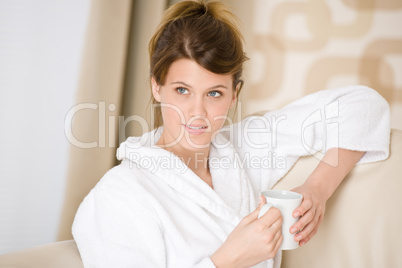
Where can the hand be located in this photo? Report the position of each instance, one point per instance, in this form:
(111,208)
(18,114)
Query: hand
(318,188)
(311,210)
(252,241)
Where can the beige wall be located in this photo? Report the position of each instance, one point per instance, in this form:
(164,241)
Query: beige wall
(300,46)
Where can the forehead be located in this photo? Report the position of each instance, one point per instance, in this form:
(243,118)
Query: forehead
(190,72)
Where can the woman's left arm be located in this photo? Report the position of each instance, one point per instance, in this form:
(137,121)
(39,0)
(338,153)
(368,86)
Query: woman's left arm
(318,188)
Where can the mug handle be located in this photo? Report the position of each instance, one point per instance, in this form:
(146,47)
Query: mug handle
(264,209)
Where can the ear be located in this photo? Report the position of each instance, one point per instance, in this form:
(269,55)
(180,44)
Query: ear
(234,98)
(156,89)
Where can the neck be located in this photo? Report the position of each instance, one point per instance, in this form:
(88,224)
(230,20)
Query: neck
(196,160)
(198,163)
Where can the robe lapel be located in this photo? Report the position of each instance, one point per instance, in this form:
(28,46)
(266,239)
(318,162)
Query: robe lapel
(230,198)
(229,179)
(186,183)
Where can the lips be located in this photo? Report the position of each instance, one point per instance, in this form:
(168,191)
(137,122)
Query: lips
(195,129)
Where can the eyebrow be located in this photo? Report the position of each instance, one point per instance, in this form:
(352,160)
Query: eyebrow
(186,85)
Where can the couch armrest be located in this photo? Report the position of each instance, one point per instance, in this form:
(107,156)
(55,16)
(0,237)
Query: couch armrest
(62,254)
(361,226)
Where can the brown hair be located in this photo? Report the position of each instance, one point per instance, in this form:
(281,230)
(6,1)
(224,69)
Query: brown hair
(203,31)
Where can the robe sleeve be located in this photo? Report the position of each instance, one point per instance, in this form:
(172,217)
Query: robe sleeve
(113,229)
(353,117)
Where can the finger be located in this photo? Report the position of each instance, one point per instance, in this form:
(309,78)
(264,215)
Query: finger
(277,225)
(277,236)
(307,230)
(263,201)
(274,244)
(278,243)
(308,238)
(302,222)
(271,216)
(312,233)
(303,208)
(251,217)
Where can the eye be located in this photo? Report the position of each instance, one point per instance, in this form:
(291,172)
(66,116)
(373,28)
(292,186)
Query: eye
(182,90)
(214,94)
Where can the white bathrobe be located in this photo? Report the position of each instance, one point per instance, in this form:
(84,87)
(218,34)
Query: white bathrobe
(153,211)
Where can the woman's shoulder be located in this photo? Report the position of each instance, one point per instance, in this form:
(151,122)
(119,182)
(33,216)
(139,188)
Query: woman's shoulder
(122,181)
(119,194)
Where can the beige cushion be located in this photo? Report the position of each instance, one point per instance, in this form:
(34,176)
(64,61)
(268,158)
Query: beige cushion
(361,227)
(55,255)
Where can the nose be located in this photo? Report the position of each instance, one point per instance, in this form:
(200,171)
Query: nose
(197,107)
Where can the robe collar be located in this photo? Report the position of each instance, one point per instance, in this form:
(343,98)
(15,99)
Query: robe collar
(230,199)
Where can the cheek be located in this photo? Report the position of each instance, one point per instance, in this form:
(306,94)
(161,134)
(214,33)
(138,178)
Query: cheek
(172,105)
(172,113)
(218,115)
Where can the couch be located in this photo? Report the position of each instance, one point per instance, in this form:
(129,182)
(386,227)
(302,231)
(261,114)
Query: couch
(360,227)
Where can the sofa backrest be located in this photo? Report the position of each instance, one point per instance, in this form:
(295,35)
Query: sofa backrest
(362,219)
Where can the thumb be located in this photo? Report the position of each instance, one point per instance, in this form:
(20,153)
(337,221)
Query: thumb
(263,201)
(254,215)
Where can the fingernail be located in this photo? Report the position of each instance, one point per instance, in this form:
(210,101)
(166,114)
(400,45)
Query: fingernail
(261,201)
(293,230)
(296,214)
(302,243)
(299,237)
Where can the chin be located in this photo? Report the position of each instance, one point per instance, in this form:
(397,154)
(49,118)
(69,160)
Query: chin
(197,144)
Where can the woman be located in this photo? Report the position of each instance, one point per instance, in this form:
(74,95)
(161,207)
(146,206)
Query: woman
(186,194)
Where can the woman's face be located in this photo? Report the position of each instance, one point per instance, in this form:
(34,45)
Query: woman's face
(194,104)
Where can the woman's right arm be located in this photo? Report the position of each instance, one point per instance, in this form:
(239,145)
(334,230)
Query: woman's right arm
(113,229)
(252,241)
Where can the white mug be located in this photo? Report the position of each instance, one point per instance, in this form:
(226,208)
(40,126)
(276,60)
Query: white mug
(286,202)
